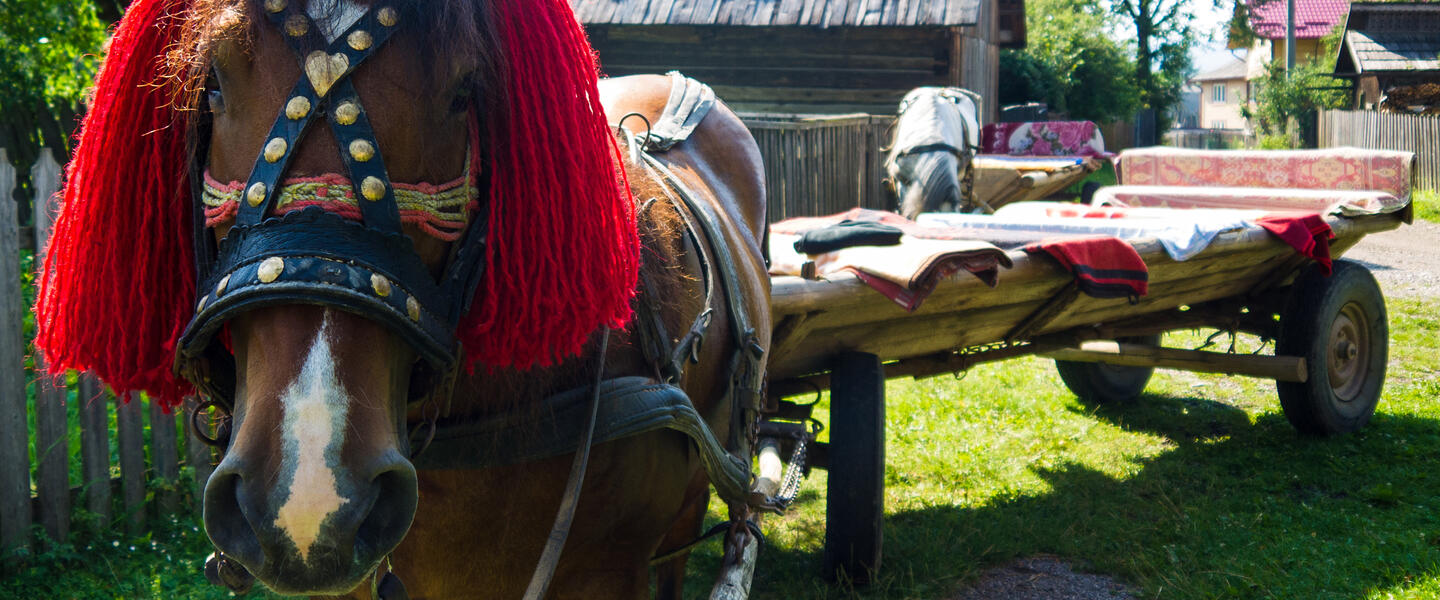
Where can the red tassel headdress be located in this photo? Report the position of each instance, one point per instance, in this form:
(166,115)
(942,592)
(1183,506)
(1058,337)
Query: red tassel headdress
(118,284)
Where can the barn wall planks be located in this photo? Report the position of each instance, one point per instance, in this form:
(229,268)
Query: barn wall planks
(1371,129)
(805,70)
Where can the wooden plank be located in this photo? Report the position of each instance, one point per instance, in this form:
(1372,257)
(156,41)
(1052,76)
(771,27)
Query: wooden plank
(95,448)
(198,455)
(164,455)
(132,460)
(52,442)
(14,432)
(1279,368)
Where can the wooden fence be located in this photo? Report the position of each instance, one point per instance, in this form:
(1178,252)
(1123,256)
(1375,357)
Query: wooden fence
(821,164)
(48,497)
(1371,129)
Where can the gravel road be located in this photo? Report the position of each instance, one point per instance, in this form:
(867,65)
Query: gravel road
(1405,261)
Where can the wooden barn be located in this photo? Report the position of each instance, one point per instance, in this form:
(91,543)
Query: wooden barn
(810,56)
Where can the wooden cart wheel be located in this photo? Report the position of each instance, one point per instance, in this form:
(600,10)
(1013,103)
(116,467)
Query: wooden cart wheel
(855,496)
(1101,383)
(1338,325)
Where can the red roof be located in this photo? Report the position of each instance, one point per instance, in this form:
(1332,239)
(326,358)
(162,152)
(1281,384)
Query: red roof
(1313,18)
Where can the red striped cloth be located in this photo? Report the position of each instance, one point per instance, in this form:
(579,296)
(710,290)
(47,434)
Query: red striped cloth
(1104,266)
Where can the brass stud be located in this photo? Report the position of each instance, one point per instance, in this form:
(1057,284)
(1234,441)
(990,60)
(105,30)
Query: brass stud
(413,307)
(297,108)
(362,150)
(275,6)
(297,25)
(347,113)
(388,16)
(372,188)
(380,284)
(201,306)
(220,287)
(256,194)
(360,40)
(275,149)
(270,269)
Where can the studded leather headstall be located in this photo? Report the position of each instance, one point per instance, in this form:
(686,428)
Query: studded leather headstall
(313,256)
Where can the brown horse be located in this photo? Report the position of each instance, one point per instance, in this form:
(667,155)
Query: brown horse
(316,490)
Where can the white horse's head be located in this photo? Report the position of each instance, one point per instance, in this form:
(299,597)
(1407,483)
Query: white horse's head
(937,132)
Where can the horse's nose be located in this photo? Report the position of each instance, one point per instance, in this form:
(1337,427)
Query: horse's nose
(313,535)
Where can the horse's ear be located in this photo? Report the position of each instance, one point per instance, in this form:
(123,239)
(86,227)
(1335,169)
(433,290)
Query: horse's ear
(118,280)
(563,251)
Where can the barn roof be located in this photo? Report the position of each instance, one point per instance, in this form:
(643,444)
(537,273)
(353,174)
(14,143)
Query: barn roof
(1390,37)
(815,13)
(1313,18)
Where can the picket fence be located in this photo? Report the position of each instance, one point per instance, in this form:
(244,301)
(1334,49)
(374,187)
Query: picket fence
(48,497)
(1391,131)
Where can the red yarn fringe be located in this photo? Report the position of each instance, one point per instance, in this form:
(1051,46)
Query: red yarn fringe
(563,250)
(118,280)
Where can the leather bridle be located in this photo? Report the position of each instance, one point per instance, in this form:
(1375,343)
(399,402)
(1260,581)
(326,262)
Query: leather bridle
(313,256)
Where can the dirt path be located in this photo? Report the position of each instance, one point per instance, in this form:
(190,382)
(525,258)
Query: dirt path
(1405,261)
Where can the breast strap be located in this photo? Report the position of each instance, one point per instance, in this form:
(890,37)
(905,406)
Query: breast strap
(629,406)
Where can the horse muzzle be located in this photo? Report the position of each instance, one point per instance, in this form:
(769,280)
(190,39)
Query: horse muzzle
(315,536)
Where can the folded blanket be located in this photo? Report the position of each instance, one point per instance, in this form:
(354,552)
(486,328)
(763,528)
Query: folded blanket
(1104,267)
(906,273)
(1183,235)
(1326,201)
(846,234)
(1308,234)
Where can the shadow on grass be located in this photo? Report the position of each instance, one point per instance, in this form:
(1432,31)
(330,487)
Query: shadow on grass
(1235,509)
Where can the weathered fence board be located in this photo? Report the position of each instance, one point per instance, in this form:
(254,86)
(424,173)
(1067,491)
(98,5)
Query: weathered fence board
(1372,129)
(132,460)
(52,443)
(14,454)
(164,455)
(821,164)
(95,448)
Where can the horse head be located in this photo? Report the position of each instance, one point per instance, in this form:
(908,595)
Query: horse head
(936,134)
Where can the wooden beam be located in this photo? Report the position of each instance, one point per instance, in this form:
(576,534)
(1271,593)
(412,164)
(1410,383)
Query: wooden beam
(1279,368)
(14,439)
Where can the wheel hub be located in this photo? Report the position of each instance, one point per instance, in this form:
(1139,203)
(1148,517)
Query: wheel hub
(1348,360)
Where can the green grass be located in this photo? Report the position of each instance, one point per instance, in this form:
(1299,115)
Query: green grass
(1199,490)
(1427,205)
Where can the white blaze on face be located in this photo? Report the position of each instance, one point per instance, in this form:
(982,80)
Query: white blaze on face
(313,432)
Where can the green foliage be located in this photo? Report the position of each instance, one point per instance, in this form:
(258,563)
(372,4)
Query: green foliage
(50,51)
(1427,205)
(1164,35)
(1070,64)
(1299,95)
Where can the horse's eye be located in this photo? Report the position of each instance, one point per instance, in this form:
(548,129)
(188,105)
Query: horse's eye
(461,101)
(217,101)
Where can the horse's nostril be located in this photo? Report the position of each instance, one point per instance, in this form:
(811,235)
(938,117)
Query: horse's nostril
(226,523)
(389,518)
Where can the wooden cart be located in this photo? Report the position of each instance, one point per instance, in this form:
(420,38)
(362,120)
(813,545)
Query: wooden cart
(838,334)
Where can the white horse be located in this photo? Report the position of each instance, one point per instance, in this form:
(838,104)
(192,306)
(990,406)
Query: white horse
(937,133)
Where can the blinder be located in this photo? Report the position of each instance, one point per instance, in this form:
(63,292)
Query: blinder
(313,256)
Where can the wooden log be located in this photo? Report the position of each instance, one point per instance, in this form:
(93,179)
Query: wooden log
(736,573)
(14,432)
(95,448)
(52,442)
(164,455)
(1279,368)
(132,460)
(772,468)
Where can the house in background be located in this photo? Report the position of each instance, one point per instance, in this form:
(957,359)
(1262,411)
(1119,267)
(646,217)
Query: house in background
(1314,19)
(1223,91)
(1187,111)
(1389,48)
(810,56)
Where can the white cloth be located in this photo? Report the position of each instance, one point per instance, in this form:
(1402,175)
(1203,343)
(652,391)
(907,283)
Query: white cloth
(1183,235)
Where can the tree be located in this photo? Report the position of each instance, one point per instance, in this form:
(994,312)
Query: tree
(50,55)
(1164,34)
(1070,64)
(1298,95)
